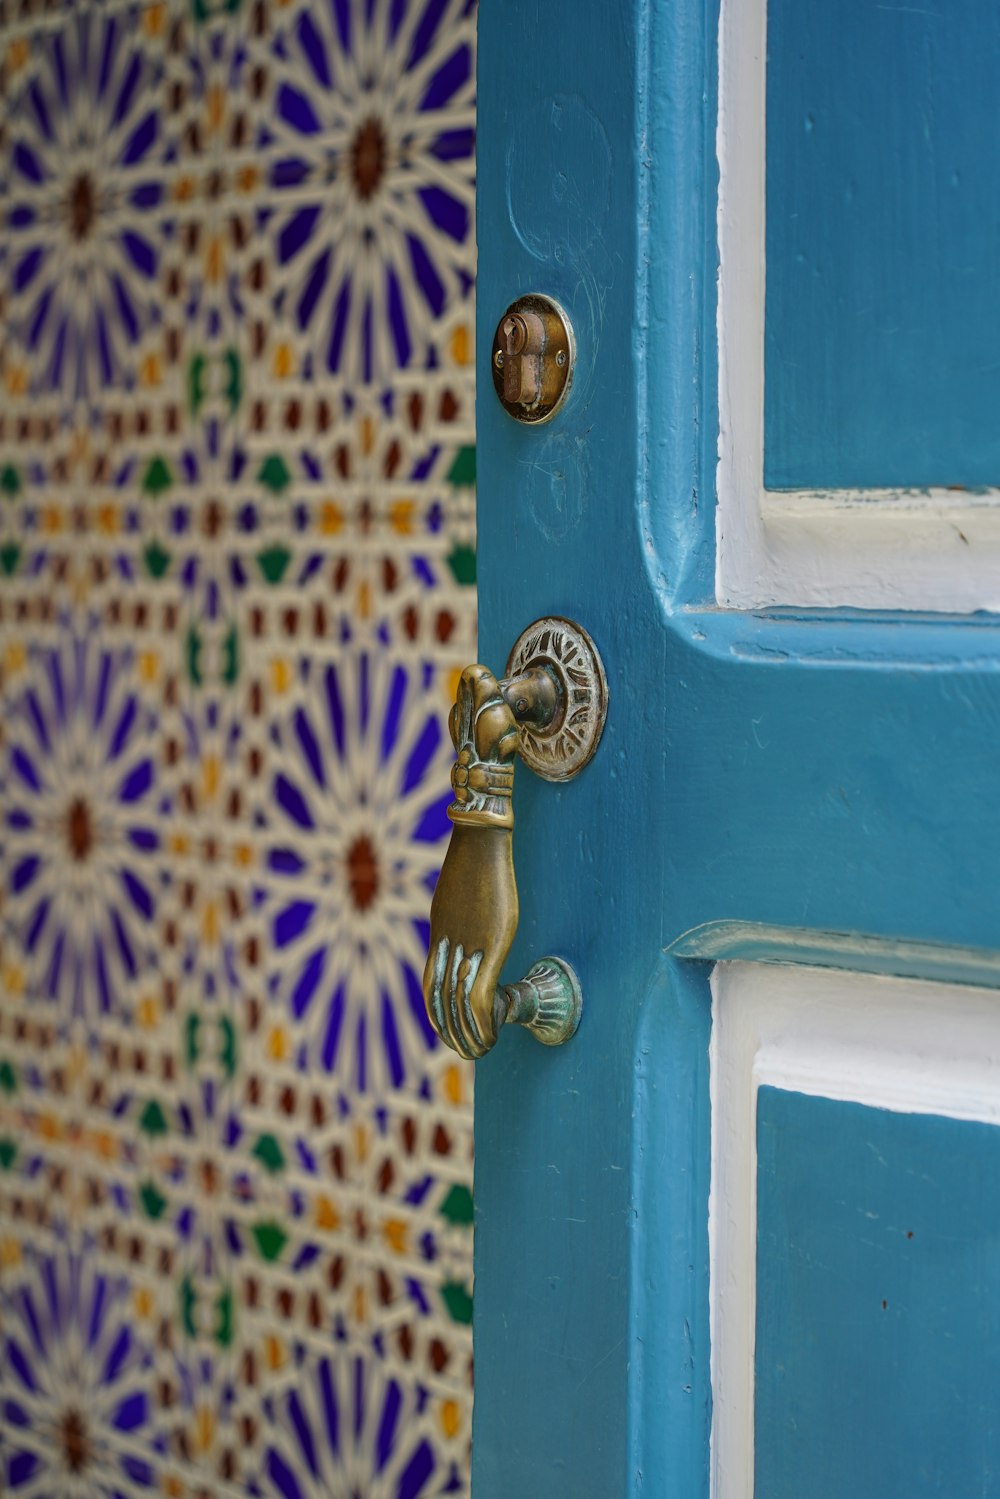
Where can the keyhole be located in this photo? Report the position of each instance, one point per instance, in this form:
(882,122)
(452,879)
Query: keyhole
(531,358)
(515,333)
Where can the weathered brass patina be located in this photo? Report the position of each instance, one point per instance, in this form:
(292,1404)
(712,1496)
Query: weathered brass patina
(532,358)
(555,696)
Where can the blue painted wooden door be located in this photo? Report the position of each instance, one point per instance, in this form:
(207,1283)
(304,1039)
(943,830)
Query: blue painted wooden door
(770,498)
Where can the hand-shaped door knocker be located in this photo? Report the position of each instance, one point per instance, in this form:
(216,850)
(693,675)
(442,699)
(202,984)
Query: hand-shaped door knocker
(550,710)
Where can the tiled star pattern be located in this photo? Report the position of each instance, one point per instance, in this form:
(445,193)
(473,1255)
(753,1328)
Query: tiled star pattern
(236,555)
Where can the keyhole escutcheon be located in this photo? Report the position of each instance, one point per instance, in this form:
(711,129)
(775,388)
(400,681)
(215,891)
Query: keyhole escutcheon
(532,358)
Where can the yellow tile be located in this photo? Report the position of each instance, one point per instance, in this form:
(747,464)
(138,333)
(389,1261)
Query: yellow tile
(450,1416)
(215,106)
(214,260)
(326,1215)
(281,675)
(210,923)
(104,1144)
(148,1012)
(277,1044)
(331,518)
(461,345)
(13,980)
(154,20)
(17,53)
(453,1084)
(211,775)
(204,1428)
(394,1233)
(15,656)
(401,514)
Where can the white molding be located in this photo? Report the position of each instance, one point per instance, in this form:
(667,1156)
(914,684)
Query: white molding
(936,550)
(898,1044)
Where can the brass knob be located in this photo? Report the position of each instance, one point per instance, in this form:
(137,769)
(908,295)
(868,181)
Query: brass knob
(549,709)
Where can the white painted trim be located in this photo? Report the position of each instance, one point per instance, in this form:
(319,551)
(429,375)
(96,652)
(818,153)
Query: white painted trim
(877,549)
(898,1044)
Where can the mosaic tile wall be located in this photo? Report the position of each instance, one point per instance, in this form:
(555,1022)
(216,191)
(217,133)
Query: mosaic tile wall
(236,568)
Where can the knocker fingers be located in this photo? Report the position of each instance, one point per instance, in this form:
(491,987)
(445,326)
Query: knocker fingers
(437,990)
(467,969)
(453,979)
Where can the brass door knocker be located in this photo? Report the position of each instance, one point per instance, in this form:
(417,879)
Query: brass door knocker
(549,709)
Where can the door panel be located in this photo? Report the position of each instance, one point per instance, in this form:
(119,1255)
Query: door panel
(883,169)
(878,1301)
(862,199)
(856,1300)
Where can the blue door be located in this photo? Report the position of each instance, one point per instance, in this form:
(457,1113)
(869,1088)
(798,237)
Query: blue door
(739,1235)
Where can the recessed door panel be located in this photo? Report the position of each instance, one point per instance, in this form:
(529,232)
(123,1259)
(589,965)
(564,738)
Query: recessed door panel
(855,1230)
(878,1301)
(883,303)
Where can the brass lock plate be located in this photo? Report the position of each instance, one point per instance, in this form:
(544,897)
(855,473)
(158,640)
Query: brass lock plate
(532,358)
